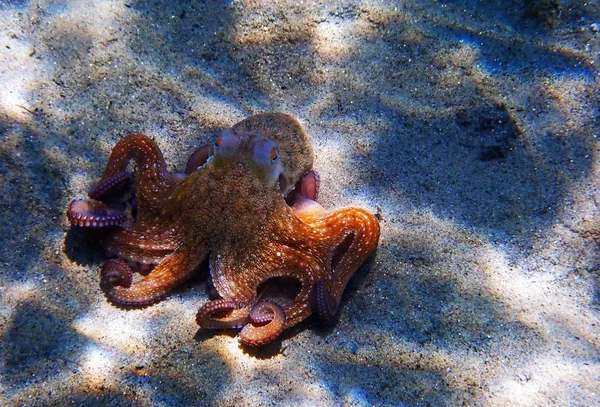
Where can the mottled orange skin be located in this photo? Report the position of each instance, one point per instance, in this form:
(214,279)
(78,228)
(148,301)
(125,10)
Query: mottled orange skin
(295,150)
(232,209)
(257,236)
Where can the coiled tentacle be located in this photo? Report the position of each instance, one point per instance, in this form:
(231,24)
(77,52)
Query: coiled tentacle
(94,214)
(168,274)
(267,321)
(222,314)
(116,272)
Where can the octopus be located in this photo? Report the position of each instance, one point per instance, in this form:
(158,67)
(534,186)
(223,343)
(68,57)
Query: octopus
(247,203)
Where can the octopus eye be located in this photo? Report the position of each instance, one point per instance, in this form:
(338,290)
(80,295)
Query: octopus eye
(273,155)
(226,143)
(218,142)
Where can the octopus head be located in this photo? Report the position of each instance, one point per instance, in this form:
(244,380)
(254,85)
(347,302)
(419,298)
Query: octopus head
(261,153)
(225,145)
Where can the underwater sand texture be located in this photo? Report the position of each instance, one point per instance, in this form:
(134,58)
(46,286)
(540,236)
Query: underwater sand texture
(471,128)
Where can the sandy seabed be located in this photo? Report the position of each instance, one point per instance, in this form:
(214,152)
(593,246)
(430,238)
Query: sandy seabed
(471,128)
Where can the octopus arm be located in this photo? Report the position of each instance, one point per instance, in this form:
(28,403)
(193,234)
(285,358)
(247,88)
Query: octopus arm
(355,234)
(198,158)
(146,248)
(309,185)
(152,180)
(322,303)
(147,156)
(308,210)
(111,184)
(169,273)
(94,214)
(307,188)
(282,272)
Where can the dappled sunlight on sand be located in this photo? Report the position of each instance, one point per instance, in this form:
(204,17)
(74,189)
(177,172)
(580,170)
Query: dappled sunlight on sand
(469,129)
(334,39)
(97,365)
(124,331)
(16,293)
(19,76)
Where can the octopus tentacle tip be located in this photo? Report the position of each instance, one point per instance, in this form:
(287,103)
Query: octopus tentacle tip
(94,214)
(267,322)
(221,314)
(116,272)
(322,303)
(310,184)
